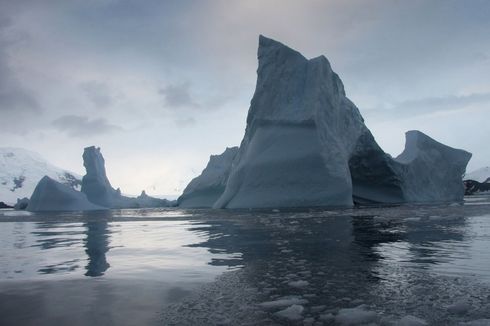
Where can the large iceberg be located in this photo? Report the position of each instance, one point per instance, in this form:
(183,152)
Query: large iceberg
(306,144)
(204,190)
(50,195)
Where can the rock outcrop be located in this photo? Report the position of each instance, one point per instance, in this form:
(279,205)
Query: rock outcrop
(50,195)
(3,205)
(204,190)
(481,175)
(306,144)
(472,187)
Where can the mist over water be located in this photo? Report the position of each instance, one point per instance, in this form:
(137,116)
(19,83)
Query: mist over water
(190,267)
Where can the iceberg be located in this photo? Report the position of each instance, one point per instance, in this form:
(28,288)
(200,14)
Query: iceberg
(98,189)
(431,171)
(50,195)
(145,201)
(95,184)
(22,203)
(204,190)
(306,144)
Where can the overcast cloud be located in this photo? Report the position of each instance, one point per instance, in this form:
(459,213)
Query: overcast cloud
(78,126)
(161,85)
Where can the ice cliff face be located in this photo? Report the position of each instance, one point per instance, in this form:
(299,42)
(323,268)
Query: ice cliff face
(50,195)
(431,171)
(306,144)
(204,190)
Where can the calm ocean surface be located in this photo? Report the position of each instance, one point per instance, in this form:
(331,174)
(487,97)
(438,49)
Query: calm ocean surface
(265,267)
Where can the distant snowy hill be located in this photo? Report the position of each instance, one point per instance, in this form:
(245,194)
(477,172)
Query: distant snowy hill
(480,175)
(21,170)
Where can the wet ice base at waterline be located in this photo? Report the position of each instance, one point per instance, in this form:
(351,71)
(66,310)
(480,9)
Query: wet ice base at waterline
(399,265)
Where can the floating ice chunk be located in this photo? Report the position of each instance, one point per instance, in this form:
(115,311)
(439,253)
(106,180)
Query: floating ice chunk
(283,302)
(411,321)
(292,313)
(355,316)
(459,308)
(327,317)
(299,284)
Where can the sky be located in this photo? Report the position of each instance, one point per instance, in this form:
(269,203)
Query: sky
(162,85)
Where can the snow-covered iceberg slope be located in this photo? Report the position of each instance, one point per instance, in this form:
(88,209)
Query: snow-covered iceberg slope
(50,195)
(21,170)
(204,190)
(306,144)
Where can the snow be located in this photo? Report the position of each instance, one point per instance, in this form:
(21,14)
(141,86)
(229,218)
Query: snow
(50,195)
(292,313)
(480,175)
(306,145)
(204,190)
(21,170)
(355,316)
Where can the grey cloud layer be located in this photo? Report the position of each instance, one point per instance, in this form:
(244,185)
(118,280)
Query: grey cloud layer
(98,93)
(430,105)
(177,96)
(15,98)
(79,126)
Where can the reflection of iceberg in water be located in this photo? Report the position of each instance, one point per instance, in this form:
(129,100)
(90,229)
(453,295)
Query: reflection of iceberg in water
(387,259)
(96,246)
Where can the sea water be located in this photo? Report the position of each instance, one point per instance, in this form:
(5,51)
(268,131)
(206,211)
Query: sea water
(384,265)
